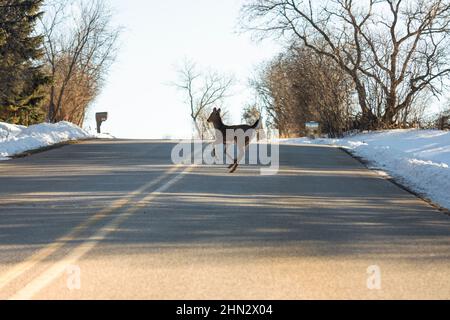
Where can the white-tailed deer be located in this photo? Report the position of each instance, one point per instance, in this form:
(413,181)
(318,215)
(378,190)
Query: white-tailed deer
(241,135)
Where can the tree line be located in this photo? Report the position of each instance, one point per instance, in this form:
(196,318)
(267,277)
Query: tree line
(54,55)
(363,65)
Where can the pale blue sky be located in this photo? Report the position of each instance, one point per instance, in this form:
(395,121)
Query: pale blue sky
(158,35)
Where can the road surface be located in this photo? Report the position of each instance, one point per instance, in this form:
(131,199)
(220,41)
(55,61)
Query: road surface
(117,220)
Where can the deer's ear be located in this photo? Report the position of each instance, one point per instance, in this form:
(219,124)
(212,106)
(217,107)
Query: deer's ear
(214,109)
(219,110)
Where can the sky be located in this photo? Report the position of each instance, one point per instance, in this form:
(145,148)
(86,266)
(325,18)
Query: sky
(157,37)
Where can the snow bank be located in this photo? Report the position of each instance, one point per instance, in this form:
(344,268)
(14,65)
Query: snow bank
(18,139)
(419,159)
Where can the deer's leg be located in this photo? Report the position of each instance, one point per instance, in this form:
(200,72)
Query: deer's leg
(214,150)
(234,167)
(231,165)
(241,154)
(230,157)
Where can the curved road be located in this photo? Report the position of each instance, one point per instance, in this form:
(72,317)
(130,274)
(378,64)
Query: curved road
(116,219)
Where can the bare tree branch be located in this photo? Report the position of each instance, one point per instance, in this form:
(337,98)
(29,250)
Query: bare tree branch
(203,91)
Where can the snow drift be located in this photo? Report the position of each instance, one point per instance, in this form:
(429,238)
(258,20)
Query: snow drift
(15,139)
(419,159)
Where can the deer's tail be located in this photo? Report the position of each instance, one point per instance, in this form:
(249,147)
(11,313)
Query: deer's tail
(256,125)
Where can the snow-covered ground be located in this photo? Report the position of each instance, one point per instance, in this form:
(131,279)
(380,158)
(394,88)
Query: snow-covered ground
(18,139)
(419,159)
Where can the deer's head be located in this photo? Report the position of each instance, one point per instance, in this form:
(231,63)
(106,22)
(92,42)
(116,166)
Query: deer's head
(215,116)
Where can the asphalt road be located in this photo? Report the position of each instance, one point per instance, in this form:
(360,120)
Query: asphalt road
(116,219)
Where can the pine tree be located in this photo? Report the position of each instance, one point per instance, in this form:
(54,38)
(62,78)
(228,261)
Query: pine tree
(21,75)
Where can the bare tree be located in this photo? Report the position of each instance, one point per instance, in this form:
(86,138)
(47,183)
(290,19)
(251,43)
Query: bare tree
(203,91)
(80,45)
(251,113)
(264,98)
(301,86)
(442,121)
(393,50)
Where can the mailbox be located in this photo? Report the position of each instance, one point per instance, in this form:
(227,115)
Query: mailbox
(312,129)
(100,117)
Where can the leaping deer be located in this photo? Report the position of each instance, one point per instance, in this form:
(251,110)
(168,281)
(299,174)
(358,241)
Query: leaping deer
(248,131)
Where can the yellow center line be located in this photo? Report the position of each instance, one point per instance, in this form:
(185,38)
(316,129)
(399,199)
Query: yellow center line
(52,273)
(41,255)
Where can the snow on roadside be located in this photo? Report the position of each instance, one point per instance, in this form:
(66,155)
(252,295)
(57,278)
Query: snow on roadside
(419,159)
(8,130)
(103,136)
(18,139)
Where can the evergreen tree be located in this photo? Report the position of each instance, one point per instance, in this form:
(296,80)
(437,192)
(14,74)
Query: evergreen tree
(21,75)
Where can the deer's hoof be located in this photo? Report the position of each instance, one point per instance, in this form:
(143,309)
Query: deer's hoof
(233,168)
